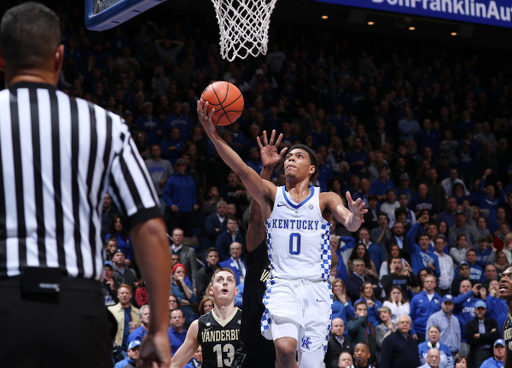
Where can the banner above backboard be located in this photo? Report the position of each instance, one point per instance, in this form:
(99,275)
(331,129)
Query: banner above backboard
(490,12)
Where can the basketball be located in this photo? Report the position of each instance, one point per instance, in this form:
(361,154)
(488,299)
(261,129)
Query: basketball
(227,101)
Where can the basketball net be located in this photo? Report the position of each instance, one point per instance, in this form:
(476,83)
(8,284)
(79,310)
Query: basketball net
(243,27)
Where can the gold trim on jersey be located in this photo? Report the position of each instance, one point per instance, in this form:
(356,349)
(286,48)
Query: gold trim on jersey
(224,322)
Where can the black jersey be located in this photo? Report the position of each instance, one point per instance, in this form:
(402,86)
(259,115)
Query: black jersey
(258,272)
(507,332)
(219,339)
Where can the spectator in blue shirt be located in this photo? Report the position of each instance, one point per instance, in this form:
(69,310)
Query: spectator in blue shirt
(320,137)
(172,146)
(255,160)
(149,124)
(380,186)
(177,333)
(432,342)
(407,126)
(422,202)
(448,216)
(180,196)
(423,305)
(484,253)
(177,119)
(375,251)
(133,356)
(356,99)
(465,125)
(357,157)
(447,325)
(341,307)
(476,272)
(183,292)
(367,295)
(225,239)
(465,309)
(420,255)
(363,192)
(496,307)
(428,137)
(141,331)
(489,201)
(497,361)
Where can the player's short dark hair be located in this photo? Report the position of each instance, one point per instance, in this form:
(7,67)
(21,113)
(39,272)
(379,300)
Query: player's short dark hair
(312,156)
(29,34)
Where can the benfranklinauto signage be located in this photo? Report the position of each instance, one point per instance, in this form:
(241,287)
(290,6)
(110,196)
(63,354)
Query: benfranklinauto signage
(493,12)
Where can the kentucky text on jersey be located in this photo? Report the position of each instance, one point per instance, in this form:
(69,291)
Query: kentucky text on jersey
(294,224)
(217,336)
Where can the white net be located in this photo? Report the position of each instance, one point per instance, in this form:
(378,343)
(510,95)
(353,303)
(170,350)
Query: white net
(243,26)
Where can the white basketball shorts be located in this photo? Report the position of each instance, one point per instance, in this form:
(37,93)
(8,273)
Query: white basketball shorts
(307,304)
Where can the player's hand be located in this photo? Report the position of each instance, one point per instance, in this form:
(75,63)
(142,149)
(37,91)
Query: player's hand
(174,208)
(268,150)
(204,117)
(358,208)
(154,351)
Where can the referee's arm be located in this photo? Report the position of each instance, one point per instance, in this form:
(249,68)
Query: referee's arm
(133,192)
(152,252)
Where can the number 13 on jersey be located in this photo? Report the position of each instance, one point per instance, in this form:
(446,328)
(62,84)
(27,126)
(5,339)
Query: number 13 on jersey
(295,243)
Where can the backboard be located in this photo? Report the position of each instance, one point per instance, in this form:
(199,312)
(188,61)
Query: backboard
(101,15)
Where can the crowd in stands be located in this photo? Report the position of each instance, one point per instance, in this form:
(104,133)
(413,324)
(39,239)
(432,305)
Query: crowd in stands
(422,134)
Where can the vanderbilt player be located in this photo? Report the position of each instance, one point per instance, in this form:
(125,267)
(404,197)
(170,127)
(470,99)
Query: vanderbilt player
(505,293)
(218,331)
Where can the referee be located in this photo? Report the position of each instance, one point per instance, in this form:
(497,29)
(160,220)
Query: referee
(58,158)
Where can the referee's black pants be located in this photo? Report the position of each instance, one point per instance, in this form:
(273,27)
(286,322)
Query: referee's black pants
(70,329)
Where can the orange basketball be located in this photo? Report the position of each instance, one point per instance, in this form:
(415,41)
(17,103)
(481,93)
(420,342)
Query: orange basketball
(226,99)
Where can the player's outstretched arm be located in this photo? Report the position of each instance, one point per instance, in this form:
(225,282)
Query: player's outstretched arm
(188,349)
(352,218)
(261,190)
(270,157)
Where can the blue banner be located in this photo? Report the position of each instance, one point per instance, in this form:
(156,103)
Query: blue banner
(490,12)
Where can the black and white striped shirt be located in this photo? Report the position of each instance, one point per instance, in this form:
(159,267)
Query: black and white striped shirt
(58,157)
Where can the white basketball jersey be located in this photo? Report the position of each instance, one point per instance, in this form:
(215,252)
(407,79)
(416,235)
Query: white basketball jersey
(298,238)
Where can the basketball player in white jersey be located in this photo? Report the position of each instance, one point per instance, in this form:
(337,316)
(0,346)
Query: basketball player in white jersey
(298,298)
